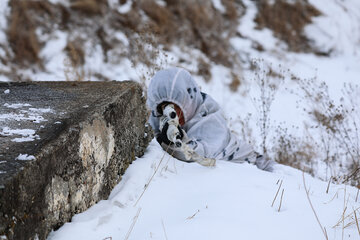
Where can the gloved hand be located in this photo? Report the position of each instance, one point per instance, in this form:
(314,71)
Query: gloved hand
(171,132)
(173,135)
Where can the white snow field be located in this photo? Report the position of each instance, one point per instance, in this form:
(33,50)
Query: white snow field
(160,197)
(229,201)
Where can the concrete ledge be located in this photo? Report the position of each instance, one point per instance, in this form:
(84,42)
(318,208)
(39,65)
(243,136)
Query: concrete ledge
(63,147)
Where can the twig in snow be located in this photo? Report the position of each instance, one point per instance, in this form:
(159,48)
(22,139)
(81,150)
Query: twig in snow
(162,223)
(191,217)
(357,222)
(357,194)
(328,186)
(148,183)
(317,218)
(343,215)
(132,224)
(276,194)
(349,215)
(108,238)
(282,193)
(335,195)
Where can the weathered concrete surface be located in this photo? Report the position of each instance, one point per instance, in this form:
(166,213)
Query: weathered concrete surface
(78,139)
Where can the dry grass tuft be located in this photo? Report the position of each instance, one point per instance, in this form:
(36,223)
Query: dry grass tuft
(161,19)
(235,83)
(21,33)
(293,151)
(287,21)
(75,53)
(91,7)
(204,69)
(73,65)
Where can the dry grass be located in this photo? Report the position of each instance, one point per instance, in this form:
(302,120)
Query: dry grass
(91,7)
(323,229)
(195,23)
(21,33)
(287,21)
(294,151)
(149,27)
(277,192)
(235,83)
(73,64)
(268,83)
(133,224)
(204,69)
(281,199)
(337,123)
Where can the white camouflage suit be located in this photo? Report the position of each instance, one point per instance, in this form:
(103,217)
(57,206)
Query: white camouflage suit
(205,125)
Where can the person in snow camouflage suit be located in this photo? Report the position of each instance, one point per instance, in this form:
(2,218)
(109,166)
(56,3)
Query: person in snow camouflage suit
(203,129)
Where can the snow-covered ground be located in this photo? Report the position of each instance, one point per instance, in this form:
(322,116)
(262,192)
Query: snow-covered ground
(229,201)
(233,201)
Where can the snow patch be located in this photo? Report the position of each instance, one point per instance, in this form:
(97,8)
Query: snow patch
(218,5)
(7,91)
(27,134)
(54,57)
(17,105)
(21,117)
(25,157)
(338,28)
(41,110)
(31,114)
(4,11)
(125,8)
(122,37)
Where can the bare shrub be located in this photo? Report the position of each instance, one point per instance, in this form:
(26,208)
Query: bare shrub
(294,151)
(287,21)
(337,124)
(268,81)
(144,50)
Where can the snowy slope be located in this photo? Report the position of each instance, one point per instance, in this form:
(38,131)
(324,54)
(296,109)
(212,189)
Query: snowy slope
(230,201)
(233,201)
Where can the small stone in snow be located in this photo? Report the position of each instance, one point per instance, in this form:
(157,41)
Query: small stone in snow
(7,91)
